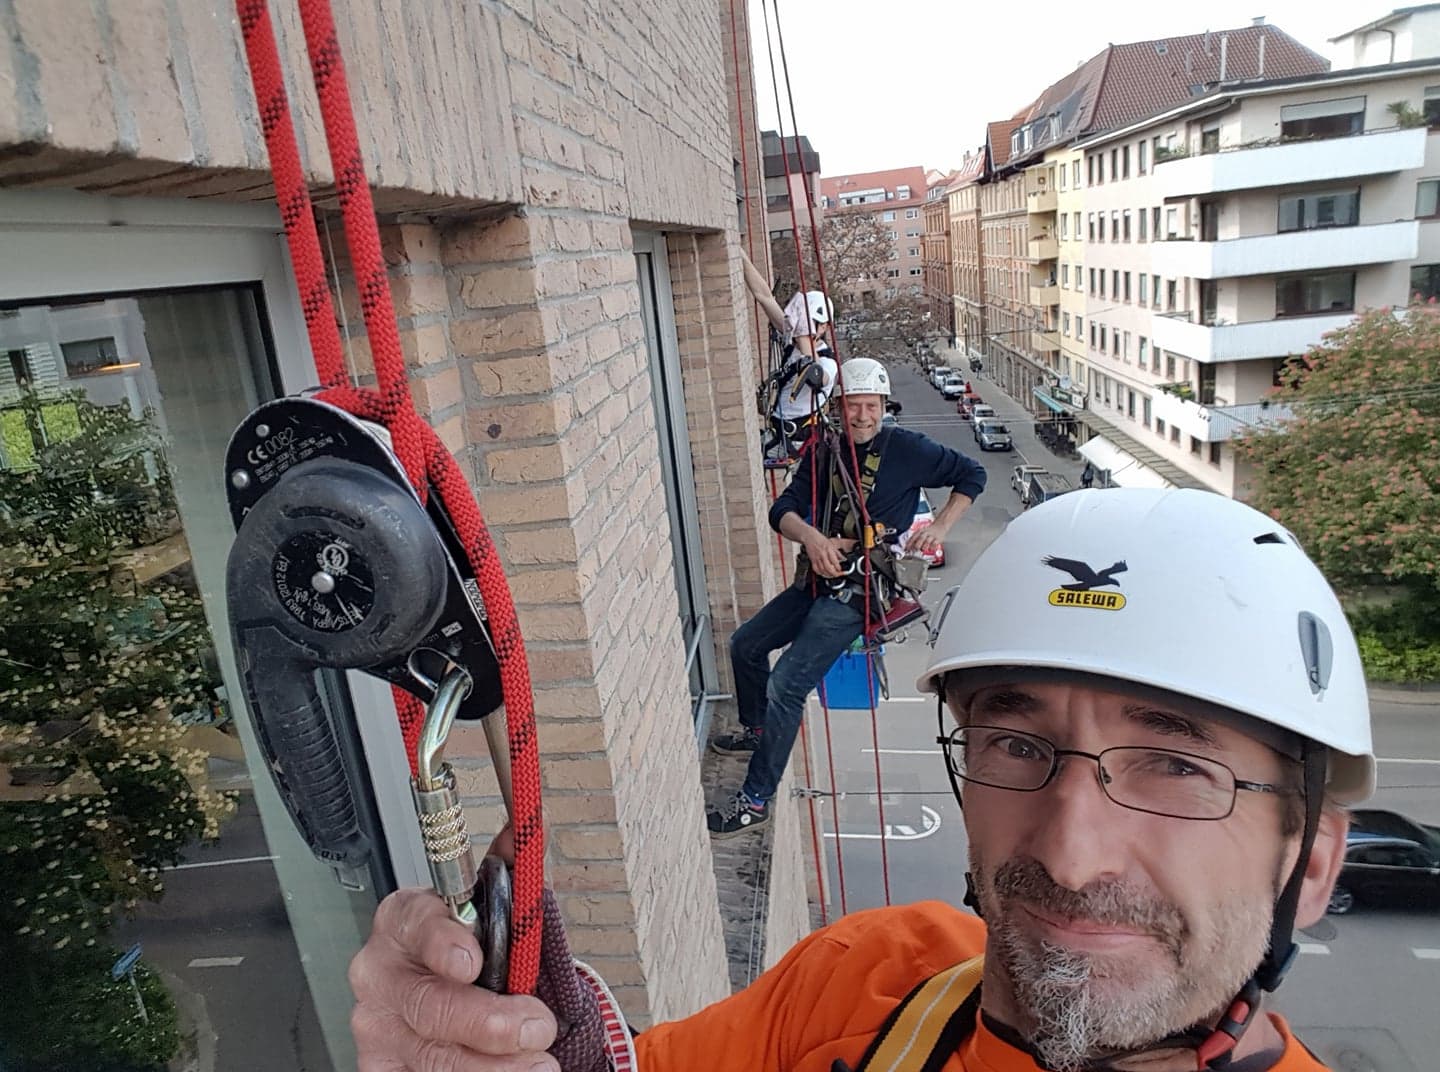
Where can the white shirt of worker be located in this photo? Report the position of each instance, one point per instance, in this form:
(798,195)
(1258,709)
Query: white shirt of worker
(805,401)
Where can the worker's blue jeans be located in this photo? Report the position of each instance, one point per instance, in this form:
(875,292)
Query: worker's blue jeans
(818,630)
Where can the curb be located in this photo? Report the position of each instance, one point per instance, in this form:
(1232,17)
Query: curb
(1427,695)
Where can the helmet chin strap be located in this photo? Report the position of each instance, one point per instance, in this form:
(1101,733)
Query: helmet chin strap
(1214,1046)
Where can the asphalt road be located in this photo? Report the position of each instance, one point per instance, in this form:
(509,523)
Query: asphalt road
(222,940)
(1363,992)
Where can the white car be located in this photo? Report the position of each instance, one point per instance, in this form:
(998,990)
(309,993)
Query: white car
(1020,478)
(924,516)
(954,387)
(939,374)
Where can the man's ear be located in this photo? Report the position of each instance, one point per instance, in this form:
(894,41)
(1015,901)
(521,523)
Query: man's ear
(1323,869)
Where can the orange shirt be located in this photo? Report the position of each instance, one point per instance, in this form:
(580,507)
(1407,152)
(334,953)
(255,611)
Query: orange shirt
(828,997)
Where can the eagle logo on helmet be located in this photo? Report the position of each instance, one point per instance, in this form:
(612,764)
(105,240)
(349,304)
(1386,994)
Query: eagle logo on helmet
(1082,593)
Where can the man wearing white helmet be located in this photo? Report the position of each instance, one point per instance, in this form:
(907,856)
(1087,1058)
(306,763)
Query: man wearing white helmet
(1151,810)
(823,612)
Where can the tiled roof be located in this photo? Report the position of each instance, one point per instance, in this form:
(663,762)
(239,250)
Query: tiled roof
(997,139)
(1148,76)
(913,177)
(972,170)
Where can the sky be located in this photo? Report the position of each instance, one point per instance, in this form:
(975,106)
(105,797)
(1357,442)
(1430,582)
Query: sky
(875,90)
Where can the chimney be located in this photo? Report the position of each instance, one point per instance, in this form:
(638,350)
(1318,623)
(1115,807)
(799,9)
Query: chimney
(1261,64)
(1258,20)
(1224,54)
(1207,42)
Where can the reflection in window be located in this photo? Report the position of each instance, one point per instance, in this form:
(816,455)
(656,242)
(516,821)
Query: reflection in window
(119,753)
(1323,119)
(1321,292)
(1327,208)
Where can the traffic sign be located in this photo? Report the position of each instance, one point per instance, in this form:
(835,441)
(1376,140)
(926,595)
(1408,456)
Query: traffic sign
(126,963)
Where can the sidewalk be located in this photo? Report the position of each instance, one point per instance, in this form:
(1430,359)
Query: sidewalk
(1028,448)
(1410,695)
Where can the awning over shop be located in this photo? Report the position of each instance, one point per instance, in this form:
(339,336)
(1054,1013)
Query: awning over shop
(1125,470)
(1049,402)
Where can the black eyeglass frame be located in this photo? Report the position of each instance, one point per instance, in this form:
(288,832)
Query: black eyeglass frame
(948,743)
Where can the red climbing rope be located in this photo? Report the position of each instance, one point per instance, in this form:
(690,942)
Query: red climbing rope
(426,460)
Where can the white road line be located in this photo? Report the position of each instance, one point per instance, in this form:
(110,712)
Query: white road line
(929,818)
(216,962)
(908,699)
(1416,762)
(1314,948)
(221,863)
(902,751)
(1427,954)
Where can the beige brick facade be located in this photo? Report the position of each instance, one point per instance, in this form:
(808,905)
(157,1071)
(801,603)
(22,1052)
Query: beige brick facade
(513,149)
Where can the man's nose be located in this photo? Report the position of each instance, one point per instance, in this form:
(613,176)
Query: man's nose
(1079,834)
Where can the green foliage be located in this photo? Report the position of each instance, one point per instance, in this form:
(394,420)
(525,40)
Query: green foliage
(90,1021)
(1405,114)
(1356,474)
(95,666)
(1401,642)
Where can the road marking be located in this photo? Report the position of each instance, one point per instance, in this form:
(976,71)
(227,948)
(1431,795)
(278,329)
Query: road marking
(926,699)
(1427,954)
(221,863)
(902,751)
(216,962)
(930,823)
(1417,762)
(1314,948)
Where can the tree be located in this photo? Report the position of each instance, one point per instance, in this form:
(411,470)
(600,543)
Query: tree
(885,316)
(1356,475)
(97,670)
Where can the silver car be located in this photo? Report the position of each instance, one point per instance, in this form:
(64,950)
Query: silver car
(992,435)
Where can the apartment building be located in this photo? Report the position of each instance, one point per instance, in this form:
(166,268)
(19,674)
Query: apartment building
(557,192)
(1069,268)
(967,253)
(1233,232)
(1005,238)
(792,174)
(935,252)
(896,198)
(1407,33)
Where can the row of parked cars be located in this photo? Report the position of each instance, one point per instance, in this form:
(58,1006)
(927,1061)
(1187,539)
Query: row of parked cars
(991,433)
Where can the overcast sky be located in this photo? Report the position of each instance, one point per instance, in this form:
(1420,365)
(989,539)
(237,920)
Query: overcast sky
(893,84)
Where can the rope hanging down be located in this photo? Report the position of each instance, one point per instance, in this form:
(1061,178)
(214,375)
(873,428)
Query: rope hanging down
(427,462)
(816,433)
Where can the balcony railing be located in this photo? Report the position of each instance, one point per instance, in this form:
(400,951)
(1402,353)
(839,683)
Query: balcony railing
(1044,247)
(1213,343)
(1041,201)
(1290,251)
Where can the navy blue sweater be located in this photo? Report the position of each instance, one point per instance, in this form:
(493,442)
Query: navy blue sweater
(909,461)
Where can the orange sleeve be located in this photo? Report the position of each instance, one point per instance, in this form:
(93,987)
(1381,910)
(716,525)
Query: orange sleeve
(836,984)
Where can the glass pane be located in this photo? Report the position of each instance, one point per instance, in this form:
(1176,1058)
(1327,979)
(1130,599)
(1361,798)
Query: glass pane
(129,819)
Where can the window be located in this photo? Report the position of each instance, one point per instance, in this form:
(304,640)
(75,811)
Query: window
(88,356)
(887,216)
(1065,276)
(1064,227)
(1172,222)
(1065,324)
(1160,427)
(1144,286)
(917,271)
(1142,350)
(1092,280)
(913,234)
(1063,171)
(1171,295)
(1080,328)
(1322,292)
(1140,159)
(1169,365)
(1090,171)
(1194,446)
(1115,283)
(1090,219)
(1125,350)
(1215,455)
(1432,105)
(1328,208)
(1142,214)
(1125,162)
(1077,226)
(1114,225)
(911,213)
(1425,282)
(1076,177)
(913,251)
(1145,400)
(1130,404)
(892,273)
(1101,275)
(1174,434)
(1114,165)
(1115,343)
(1427,197)
(1155,224)
(1103,337)
(1323,119)
(1127,286)
(1093,334)
(893,235)
(1155,292)
(1125,230)
(1210,140)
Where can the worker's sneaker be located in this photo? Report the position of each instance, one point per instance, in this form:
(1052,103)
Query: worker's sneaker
(737,815)
(743,743)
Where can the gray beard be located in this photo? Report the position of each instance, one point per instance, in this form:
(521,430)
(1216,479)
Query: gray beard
(1079,1008)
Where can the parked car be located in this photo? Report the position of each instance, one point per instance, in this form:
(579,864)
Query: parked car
(954,387)
(939,374)
(980,411)
(993,435)
(1020,478)
(1045,486)
(1378,823)
(1380,870)
(924,515)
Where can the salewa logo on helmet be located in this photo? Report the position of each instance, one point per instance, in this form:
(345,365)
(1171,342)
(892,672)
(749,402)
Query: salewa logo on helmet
(1081,594)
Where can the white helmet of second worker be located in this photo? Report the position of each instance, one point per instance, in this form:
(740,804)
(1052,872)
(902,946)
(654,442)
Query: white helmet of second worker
(808,311)
(864,376)
(1185,591)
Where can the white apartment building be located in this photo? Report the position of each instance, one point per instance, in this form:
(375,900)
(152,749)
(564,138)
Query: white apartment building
(1228,234)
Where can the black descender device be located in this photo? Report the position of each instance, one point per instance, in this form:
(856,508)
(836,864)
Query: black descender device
(337,565)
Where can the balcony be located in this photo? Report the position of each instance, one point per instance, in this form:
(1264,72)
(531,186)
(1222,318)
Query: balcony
(1038,202)
(1293,251)
(1277,164)
(1045,342)
(1242,342)
(1045,247)
(1044,294)
(1216,423)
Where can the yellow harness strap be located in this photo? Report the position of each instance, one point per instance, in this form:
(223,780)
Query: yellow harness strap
(927,1027)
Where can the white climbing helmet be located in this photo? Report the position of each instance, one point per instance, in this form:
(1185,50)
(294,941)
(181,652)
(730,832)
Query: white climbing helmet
(864,376)
(808,310)
(1185,591)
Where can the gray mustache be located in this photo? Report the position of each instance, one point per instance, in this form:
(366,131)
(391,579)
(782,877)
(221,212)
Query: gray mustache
(1109,902)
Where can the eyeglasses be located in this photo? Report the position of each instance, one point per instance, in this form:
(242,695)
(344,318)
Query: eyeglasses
(1154,780)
